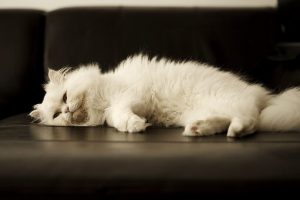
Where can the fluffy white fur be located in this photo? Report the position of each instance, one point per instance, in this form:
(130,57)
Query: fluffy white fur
(141,92)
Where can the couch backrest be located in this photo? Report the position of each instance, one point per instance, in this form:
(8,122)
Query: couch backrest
(21,59)
(235,39)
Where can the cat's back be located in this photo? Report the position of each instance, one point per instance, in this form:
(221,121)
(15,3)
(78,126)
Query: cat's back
(141,66)
(179,77)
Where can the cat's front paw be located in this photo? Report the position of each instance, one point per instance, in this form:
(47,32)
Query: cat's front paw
(74,101)
(136,124)
(130,123)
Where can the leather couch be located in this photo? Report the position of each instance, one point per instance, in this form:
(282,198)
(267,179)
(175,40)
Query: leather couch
(75,162)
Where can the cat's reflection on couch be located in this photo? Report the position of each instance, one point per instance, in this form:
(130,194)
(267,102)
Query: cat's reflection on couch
(81,141)
(56,133)
(104,134)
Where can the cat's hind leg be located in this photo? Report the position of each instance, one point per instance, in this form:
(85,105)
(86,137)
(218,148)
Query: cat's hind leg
(235,127)
(206,127)
(241,126)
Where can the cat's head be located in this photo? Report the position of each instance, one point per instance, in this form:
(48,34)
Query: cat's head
(59,107)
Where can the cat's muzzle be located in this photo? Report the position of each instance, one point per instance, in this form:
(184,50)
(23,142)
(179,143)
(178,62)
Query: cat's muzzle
(80,116)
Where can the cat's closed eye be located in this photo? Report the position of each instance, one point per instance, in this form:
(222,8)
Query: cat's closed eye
(56,115)
(65,97)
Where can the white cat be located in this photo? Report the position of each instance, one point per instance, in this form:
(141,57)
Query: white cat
(141,92)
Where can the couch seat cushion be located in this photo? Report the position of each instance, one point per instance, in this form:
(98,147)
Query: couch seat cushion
(95,160)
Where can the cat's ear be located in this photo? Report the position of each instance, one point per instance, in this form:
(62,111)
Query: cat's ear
(54,76)
(59,75)
(35,114)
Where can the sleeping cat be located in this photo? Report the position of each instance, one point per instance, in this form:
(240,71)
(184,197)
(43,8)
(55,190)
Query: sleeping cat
(141,92)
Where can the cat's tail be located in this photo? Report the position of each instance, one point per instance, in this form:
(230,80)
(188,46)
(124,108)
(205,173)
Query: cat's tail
(282,112)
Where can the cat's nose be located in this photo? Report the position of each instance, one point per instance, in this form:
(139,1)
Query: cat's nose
(66,109)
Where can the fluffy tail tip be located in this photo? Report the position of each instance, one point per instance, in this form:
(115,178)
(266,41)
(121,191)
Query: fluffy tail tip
(282,112)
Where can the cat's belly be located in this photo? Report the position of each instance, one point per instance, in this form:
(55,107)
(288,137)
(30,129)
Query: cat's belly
(164,116)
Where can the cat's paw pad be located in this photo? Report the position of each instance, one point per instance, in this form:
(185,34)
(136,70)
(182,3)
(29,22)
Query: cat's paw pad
(136,124)
(206,127)
(199,128)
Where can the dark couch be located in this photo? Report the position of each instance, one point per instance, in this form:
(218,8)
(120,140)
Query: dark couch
(76,162)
